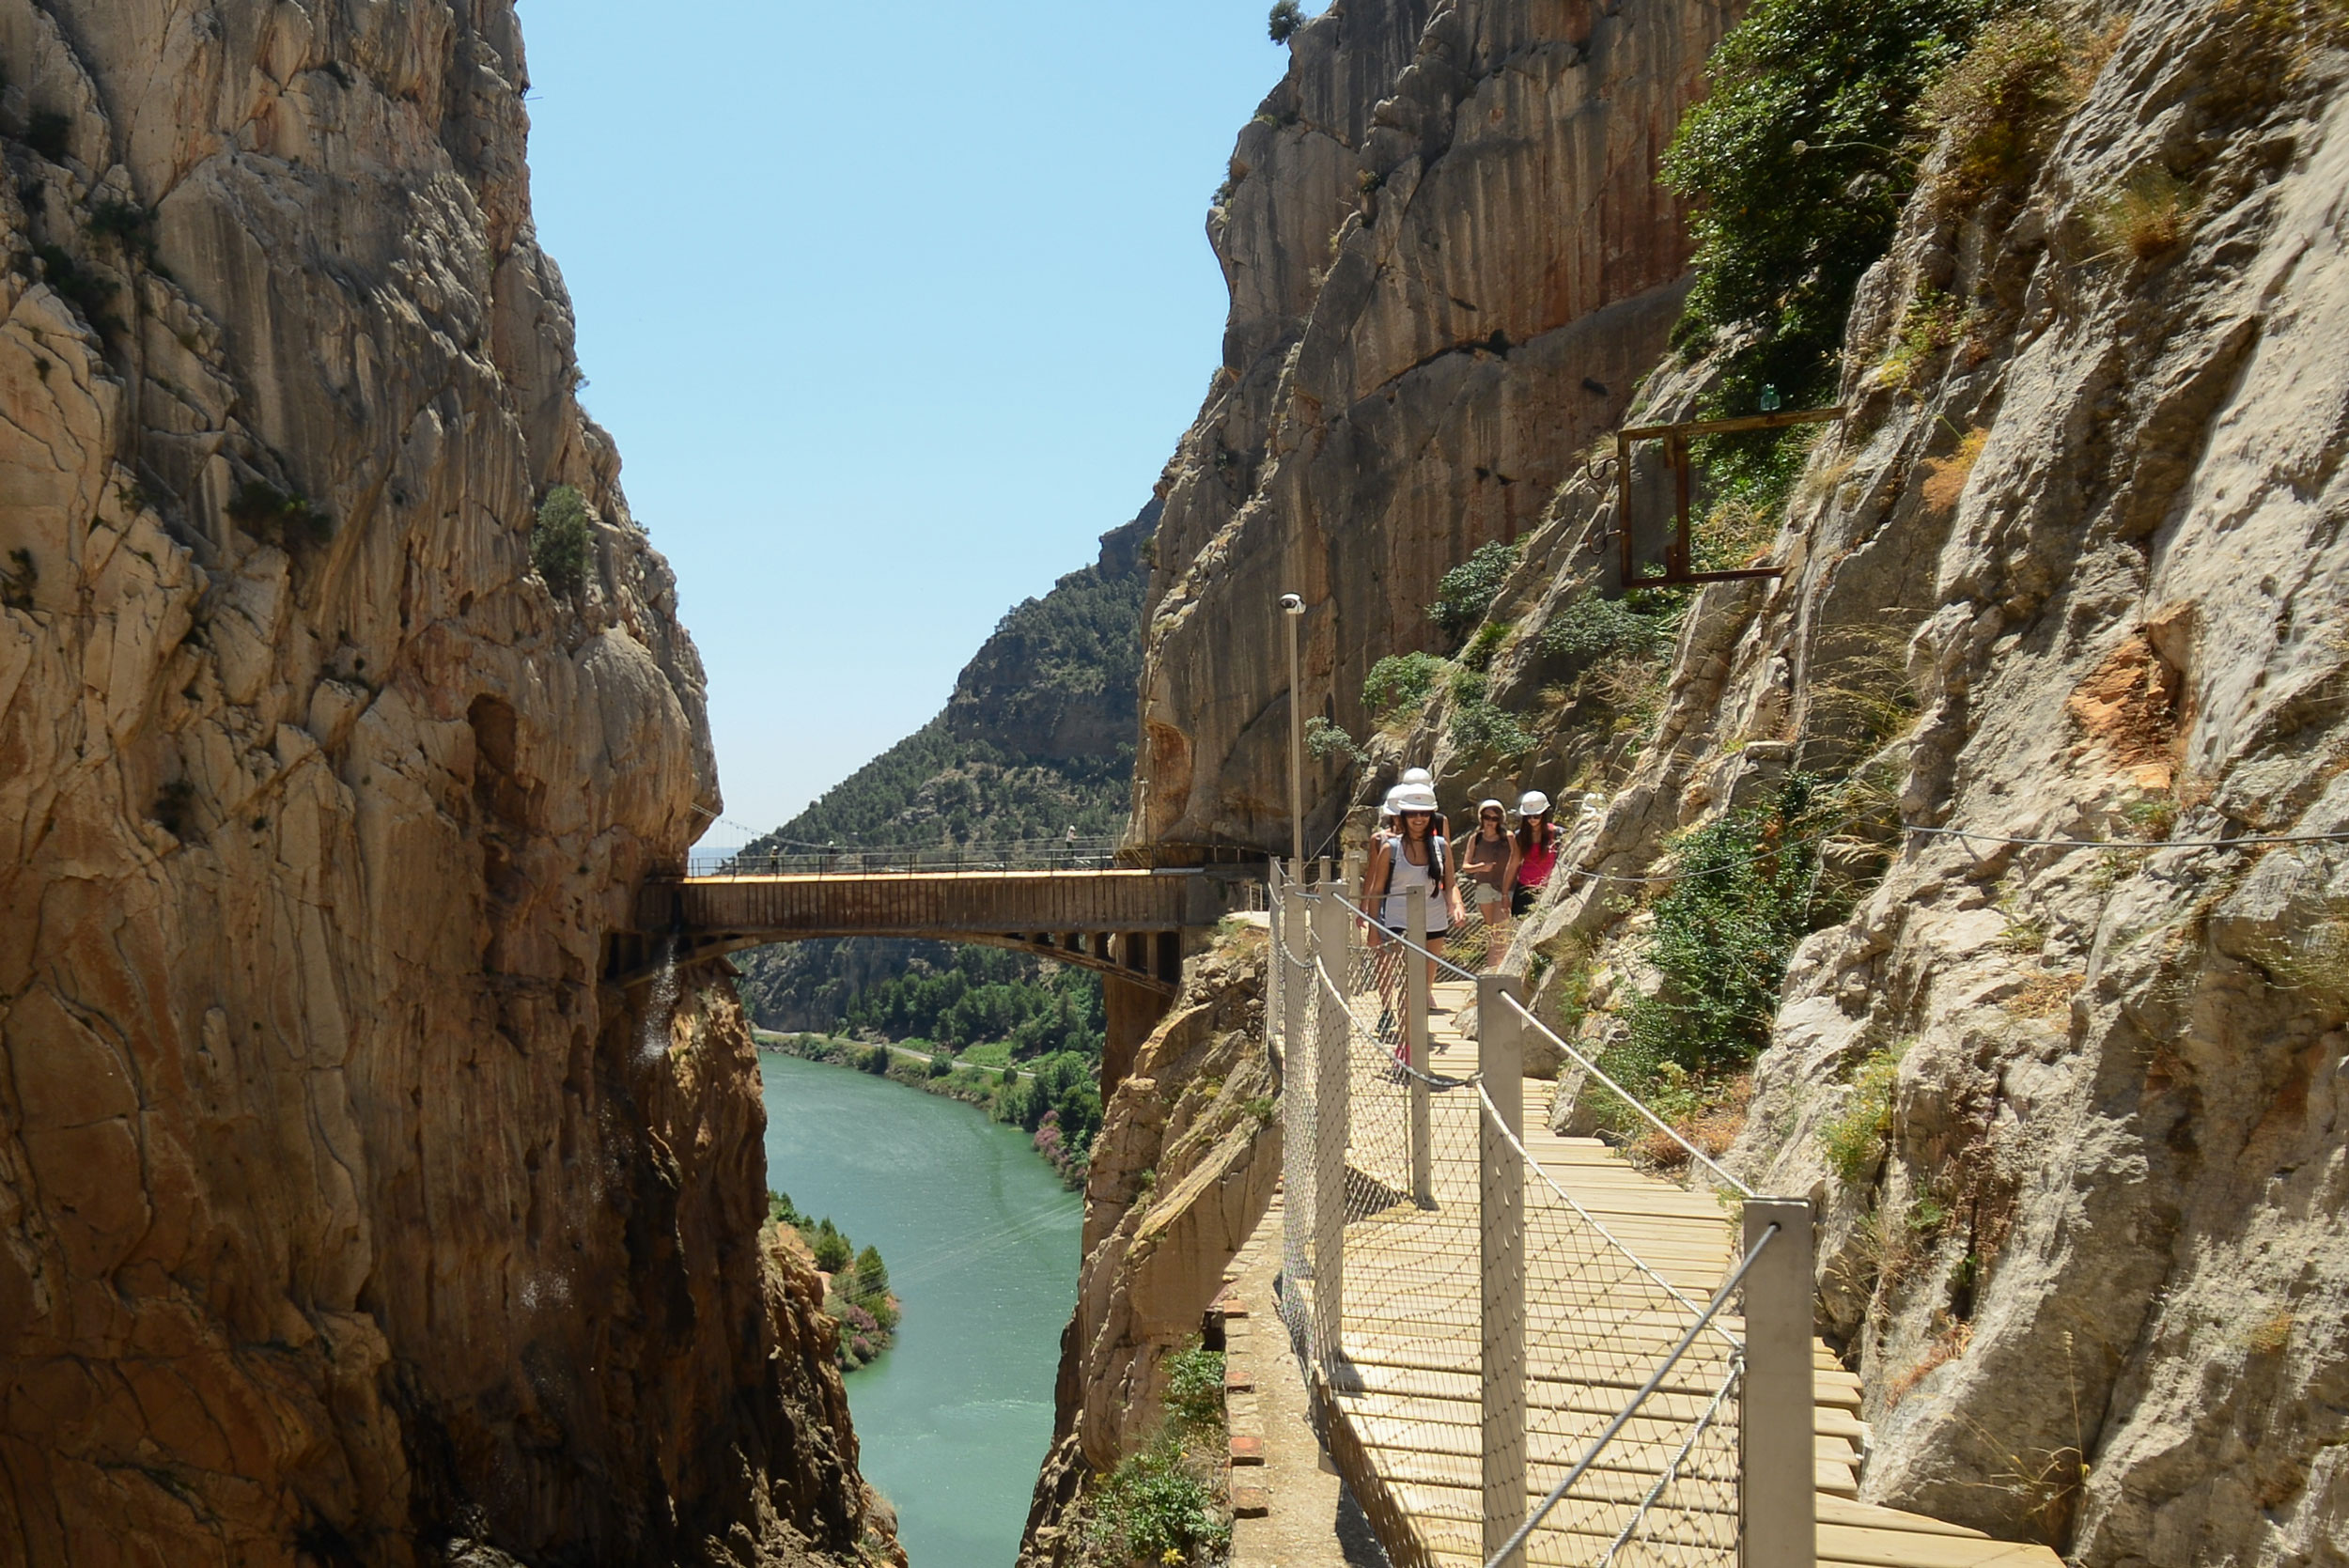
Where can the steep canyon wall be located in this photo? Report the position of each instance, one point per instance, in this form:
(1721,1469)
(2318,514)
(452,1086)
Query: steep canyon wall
(346,1213)
(2070,568)
(1449,263)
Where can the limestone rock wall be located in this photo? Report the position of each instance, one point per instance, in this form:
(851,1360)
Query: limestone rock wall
(1183,1169)
(1450,262)
(2094,1271)
(346,1212)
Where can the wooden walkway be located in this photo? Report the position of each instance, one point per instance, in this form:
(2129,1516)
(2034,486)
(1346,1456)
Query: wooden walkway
(1406,1430)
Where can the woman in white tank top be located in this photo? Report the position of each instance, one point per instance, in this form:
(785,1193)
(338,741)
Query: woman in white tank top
(1414,856)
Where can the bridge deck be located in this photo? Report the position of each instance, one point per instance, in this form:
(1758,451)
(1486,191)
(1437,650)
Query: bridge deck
(1124,922)
(1408,1438)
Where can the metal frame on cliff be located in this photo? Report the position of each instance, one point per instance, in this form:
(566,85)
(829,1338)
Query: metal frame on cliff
(1675,438)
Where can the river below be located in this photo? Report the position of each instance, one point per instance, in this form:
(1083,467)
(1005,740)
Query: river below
(981,1243)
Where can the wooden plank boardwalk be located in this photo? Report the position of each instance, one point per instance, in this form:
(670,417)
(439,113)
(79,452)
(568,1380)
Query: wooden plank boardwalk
(1405,1417)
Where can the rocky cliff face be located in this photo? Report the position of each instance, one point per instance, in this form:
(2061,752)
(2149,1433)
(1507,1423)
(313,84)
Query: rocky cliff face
(1183,1169)
(346,1212)
(2070,569)
(1450,262)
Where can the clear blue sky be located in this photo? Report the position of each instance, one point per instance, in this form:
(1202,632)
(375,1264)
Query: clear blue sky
(891,309)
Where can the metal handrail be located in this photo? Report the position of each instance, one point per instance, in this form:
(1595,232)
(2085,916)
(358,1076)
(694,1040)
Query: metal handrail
(1042,854)
(1628,1098)
(1623,1417)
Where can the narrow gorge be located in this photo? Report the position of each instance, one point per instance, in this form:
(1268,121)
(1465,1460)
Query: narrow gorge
(1955,833)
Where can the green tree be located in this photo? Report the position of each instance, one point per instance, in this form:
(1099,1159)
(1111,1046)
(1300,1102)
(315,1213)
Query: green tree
(1286,18)
(831,1248)
(561,544)
(1800,159)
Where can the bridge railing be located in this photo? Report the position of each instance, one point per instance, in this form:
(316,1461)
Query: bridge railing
(1042,854)
(1431,1265)
(1050,854)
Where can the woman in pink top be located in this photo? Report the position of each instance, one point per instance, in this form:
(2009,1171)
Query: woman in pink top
(1537,851)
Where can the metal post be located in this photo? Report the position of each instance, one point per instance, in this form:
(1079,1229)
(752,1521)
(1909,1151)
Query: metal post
(1294,942)
(1332,922)
(1778,1492)
(1501,1254)
(1293,611)
(1415,1042)
(1623,509)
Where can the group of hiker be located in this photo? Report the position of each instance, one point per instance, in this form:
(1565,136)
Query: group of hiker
(1499,869)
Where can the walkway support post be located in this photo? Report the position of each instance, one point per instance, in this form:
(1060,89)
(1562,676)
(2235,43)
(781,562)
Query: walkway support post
(1778,1492)
(1293,611)
(1415,1045)
(1500,1258)
(1296,941)
(1332,919)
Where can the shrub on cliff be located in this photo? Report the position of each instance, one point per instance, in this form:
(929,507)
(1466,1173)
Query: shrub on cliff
(1478,725)
(561,545)
(275,517)
(1467,590)
(1800,159)
(1401,681)
(1286,18)
(1746,890)
(1194,1387)
(1588,628)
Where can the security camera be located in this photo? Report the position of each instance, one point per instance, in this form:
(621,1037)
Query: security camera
(1293,604)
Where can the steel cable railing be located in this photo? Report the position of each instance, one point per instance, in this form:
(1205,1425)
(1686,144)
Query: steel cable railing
(1697,1158)
(1619,1391)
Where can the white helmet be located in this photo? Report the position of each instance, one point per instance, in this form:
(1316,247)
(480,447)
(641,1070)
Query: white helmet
(1411,797)
(1484,806)
(1386,807)
(1419,776)
(1533,803)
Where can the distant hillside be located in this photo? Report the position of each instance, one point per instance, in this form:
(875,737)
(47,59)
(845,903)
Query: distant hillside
(1038,737)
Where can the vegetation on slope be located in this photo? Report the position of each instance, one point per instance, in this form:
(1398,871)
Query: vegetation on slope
(856,1292)
(1036,739)
(1800,159)
(1166,1504)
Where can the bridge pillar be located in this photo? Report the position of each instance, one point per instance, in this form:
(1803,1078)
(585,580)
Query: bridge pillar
(1131,1011)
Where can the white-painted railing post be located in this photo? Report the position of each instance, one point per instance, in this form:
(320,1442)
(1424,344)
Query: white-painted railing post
(1292,995)
(1296,941)
(1275,1009)
(1333,923)
(1501,1258)
(1415,1044)
(1778,1489)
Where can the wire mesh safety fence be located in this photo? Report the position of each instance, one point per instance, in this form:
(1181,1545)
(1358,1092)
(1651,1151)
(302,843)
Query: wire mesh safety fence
(1481,1330)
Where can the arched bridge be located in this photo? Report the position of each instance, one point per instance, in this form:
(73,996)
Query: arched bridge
(1131,925)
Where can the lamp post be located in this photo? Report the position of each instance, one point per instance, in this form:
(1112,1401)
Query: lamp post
(1293,610)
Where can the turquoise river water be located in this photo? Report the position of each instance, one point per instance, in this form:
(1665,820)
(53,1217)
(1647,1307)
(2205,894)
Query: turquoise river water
(981,1243)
